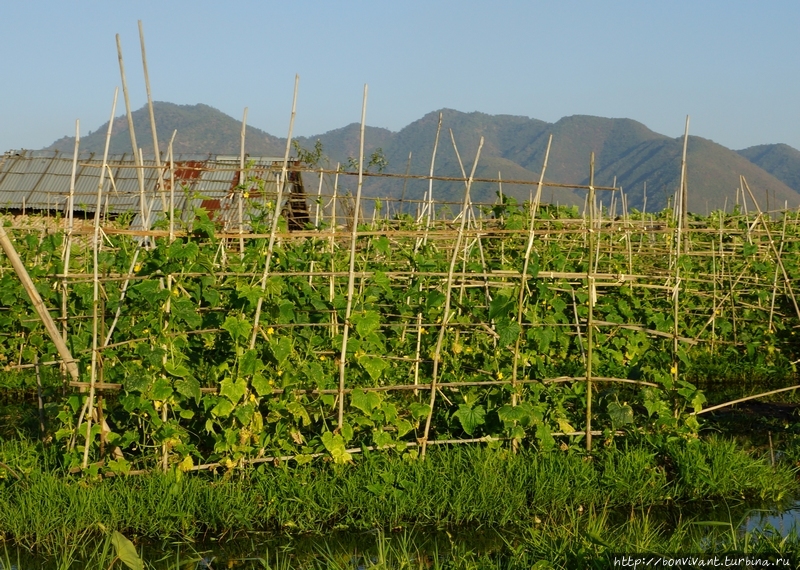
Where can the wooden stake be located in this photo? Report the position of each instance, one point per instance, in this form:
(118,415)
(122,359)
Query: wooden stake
(96,282)
(448,295)
(156,150)
(134,146)
(351,274)
(276,215)
(523,285)
(239,194)
(590,306)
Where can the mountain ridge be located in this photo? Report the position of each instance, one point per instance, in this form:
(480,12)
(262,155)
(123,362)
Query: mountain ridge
(626,152)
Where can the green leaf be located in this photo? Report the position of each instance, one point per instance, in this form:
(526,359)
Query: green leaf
(403,427)
(161,389)
(620,414)
(178,370)
(261,384)
(500,306)
(233,390)
(126,551)
(470,418)
(281,349)
(373,365)
(509,415)
(238,328)
(250,363)
(347,431)
(546,440)
(335,446)
(366,323)
(299,412)
(419,411)
(381,438)
(184,310)
(365,401)
(223,409)
(189,388)
(508,331)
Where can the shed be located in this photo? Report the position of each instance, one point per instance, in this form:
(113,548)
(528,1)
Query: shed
(39,181)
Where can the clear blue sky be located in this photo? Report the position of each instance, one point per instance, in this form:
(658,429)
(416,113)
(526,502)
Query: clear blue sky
(732,65)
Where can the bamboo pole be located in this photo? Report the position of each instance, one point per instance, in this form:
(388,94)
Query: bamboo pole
(38,304)
(778,259)
(523,285)
(132,132)
(70,229)
(405,183)
(171,188)
(275,215)
(429,203)
(775,277)
(448,295)
(96,283)
(239,194)
(683,189)
(590,278)
(156,150)
(351,275)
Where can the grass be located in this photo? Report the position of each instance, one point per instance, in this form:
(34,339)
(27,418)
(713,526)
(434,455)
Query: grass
(581,539)
(453,488)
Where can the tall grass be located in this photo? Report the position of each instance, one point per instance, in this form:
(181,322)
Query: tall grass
(475,487)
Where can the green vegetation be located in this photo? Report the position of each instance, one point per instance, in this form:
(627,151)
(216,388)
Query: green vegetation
(212,358)
(290,384)
(538,497)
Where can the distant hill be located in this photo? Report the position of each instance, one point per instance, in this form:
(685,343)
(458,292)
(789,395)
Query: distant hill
(780,160)
(514,148)
(201,130)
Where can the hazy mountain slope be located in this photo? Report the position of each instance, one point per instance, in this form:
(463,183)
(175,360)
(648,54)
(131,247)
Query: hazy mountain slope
(712,175)
(780,160)
(201,130)
(514,149)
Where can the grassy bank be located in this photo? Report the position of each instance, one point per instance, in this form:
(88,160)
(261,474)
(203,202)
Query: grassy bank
(475,487)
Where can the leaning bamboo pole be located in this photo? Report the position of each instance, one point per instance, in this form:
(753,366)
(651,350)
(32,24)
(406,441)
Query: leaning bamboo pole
(590,283)
(70,228)
(275,216)
(779,261)
(448,295)
(151,112)
(351,274)
(684,211)
(135,148)
(96,283)
(523,285)
(38,304)
(429,203)
(241,185)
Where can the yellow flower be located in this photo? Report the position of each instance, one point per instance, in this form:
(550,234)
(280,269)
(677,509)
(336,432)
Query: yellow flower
(279,373)
(673,370)
(270,331)
(499,375)
(246,195)
(137,267)
(322,357)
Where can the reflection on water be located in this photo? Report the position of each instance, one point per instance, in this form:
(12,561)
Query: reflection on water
(422,548)
(784,522)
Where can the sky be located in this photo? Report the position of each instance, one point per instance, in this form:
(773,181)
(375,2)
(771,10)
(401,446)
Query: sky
(733,66)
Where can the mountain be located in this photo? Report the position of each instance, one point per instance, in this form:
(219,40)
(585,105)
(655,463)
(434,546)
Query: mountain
(201,130)
(780,160)
(626,153)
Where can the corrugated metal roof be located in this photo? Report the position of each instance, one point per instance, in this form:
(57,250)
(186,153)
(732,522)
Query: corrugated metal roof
(40,180)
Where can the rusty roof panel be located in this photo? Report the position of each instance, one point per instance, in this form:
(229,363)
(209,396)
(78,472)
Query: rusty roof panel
(40,180)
